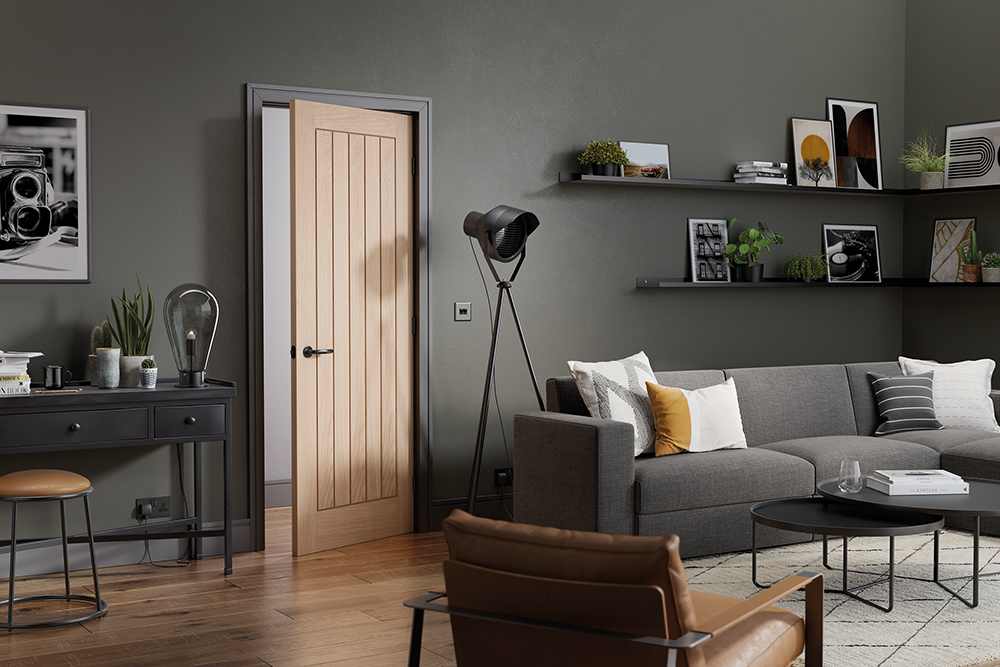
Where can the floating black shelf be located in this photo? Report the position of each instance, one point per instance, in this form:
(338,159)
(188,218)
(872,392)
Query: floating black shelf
(777,282)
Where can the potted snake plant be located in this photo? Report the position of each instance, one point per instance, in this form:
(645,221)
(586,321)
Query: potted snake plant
(131,328)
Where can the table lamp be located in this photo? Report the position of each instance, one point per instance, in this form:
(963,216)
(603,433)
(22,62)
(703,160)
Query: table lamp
(191,314)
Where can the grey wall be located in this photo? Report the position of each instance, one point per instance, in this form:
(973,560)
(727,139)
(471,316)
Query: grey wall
(517,88)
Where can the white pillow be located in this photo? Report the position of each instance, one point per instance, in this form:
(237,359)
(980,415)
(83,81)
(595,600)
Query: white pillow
(617,390)
(702,420)
(961,391)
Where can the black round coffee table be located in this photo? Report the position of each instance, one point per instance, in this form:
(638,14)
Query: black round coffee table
(824,517)
(983,499)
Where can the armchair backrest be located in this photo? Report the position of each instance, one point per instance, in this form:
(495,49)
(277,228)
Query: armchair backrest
(633,585)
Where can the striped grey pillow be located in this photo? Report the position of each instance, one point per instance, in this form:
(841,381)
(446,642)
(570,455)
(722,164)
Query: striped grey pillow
(906,403)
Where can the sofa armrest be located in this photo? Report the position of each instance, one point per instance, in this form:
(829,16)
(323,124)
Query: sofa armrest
(995,397)
(574,472)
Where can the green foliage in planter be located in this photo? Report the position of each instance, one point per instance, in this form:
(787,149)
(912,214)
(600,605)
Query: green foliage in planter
(148,363)
(751,243)
(921,155)
(991,261)
(603,152)
(806,267)
(134,325)
(101,337)
(974,257)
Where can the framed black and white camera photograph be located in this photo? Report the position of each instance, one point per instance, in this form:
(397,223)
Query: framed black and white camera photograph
(44,194)
(852,253)
(708,239)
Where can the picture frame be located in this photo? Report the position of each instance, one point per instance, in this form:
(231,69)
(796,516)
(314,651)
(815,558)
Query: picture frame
(646,160)
(852,254)
(972,154)
(949,235)
(707,239)
(44,194)
(856,143)
(812,142)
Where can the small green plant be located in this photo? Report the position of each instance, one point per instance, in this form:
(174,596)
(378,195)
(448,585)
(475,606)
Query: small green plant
(752,242)
(974,256)
(148,363)
(133,326)
(991,261)
(806,267)
(603,152)
(101,337)
(921,155)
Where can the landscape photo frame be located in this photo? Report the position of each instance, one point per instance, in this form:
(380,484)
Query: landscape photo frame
(856,141)
(972,154)
(852,254)
(812,142)
(646,160)
(707,240)
(44,194)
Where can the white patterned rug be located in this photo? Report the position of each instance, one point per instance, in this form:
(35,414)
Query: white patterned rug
(926,626)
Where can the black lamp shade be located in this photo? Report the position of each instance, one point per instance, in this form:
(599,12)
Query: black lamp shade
(502,232)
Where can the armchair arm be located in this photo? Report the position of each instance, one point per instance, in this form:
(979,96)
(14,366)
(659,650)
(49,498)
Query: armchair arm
(574,472)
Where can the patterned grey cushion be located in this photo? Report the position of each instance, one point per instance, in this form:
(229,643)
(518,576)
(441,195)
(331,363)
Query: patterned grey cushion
(905,403)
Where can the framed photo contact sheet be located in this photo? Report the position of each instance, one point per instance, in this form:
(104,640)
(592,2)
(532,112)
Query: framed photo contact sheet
(852,253)
(972,154)
(44,194)
(812,142)
(856,143)
(708,239)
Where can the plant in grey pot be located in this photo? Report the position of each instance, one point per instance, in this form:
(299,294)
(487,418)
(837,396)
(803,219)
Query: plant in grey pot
(147,373)
(921,157)
(100,337)
(991,268)
(605,157)
(131,330)
(806,267)
(747,251)
(972,261)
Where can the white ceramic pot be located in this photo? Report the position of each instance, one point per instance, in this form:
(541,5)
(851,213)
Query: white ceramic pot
(147,378)
(931,180)
(130,370)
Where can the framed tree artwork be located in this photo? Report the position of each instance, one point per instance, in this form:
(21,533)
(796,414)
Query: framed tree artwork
(44,194)
(813,145)
(856,143)
(708,239)
(852,253)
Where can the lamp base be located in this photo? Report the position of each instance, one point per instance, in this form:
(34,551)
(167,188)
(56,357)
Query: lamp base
(192,380)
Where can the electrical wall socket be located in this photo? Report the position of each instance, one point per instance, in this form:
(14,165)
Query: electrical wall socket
(463,311)
(503,476)
(152,508)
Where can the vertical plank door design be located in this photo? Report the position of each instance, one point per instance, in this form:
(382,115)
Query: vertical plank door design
(352,429)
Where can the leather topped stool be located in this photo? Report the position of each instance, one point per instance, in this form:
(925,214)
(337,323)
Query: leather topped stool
(41,485)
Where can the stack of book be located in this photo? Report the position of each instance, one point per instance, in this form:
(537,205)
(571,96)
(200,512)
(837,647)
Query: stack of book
(917,482)
(754,171)
(14,378)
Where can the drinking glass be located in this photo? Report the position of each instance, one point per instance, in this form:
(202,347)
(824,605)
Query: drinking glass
(850,476)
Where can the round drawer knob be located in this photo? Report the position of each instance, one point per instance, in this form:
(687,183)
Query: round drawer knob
(190,420)
(74,427)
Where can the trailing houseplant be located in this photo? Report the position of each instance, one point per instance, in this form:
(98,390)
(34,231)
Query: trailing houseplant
(132,329)
(921,157)
(604,156)
(806,267)
(972,260)
(750,245)
(991,268)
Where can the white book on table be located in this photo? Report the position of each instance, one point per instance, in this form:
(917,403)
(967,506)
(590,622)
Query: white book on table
(953,487)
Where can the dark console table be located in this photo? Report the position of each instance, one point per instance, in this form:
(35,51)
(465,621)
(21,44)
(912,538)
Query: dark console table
(98,418)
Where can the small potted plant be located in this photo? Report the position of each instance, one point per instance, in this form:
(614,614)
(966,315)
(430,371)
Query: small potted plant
(605,157)
(972,260)
(991,268)
(921,157)
(806,267)
(746,252)
(100,337)
(147,373)
(132,329)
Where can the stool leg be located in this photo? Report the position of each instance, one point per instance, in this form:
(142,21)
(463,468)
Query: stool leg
(65,543)
(93,557)
(13,554)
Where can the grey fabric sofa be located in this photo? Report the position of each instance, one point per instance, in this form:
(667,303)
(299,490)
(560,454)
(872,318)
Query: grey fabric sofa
(573,471)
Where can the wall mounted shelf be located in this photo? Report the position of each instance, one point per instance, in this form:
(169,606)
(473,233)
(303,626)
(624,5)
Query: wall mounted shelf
(775,282)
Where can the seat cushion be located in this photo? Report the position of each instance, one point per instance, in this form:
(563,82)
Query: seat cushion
(42,483)
(979,458)
(944,439)
(774,636)
(723,477)
(826,453)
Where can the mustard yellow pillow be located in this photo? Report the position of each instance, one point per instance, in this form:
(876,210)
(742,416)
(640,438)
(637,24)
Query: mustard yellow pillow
(701,420)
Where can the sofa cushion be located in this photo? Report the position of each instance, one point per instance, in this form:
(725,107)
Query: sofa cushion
(980,458)
(787,402)
(943,440)
(722,477)
(562,394)
(826,453)
(865,411)
(961,391)
(905,403)
(699,420)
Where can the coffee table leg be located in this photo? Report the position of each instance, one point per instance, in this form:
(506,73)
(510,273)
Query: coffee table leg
(753,555)
(975,568)
(849,592)
(826,553)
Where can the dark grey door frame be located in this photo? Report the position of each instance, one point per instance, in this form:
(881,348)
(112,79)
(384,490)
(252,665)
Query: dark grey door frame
(259,96)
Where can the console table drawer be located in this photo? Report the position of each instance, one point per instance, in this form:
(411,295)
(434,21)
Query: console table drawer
(55,428)
(189,421)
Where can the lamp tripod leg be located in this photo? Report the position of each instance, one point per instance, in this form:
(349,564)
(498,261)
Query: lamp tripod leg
(481,436)
(524,346)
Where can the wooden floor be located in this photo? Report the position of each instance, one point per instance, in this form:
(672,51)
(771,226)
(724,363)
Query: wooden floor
(341,607)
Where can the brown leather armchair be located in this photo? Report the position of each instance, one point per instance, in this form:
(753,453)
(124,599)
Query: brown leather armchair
(525,595)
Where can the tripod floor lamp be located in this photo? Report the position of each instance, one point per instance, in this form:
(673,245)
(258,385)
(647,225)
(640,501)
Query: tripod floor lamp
(502,234)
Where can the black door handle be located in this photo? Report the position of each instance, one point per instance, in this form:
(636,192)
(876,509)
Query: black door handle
(308,352)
